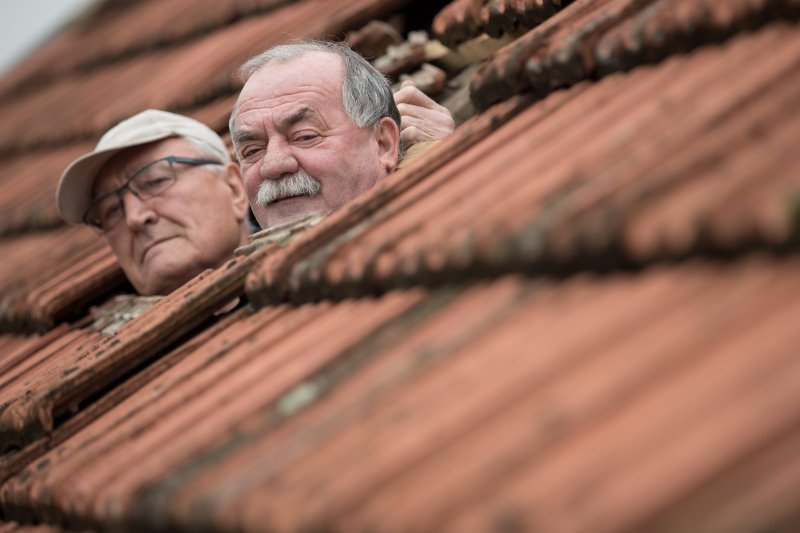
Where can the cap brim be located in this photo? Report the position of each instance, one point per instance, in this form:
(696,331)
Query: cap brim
(74,192)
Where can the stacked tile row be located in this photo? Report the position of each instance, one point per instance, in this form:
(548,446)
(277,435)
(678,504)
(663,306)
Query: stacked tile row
(618,402)
(592,39)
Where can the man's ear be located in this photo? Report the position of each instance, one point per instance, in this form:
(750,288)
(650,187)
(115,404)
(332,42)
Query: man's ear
(233,179)
(388,137)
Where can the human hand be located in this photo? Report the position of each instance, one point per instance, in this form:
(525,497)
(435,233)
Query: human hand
(422,119)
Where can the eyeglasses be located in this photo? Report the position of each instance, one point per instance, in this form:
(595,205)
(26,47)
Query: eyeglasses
(149,181)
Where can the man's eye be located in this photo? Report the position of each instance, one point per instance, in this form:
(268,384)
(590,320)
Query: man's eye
(154,184)
(305,136)
(110,211)
(248,152)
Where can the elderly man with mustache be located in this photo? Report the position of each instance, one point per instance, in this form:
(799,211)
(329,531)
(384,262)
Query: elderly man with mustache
(314,126)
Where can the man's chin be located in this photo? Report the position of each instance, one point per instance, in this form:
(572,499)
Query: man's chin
(166,268)
(288,210)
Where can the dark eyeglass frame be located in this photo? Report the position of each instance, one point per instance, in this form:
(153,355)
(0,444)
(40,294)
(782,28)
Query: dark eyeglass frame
(171,159)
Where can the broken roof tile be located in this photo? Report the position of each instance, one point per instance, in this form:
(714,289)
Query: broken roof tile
(265,419)
(26,365)
(649,189)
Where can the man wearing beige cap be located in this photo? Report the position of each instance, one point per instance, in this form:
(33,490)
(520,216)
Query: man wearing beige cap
(187,208)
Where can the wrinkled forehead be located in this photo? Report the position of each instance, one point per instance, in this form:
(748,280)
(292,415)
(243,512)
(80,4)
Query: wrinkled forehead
(289,80)
(125,162)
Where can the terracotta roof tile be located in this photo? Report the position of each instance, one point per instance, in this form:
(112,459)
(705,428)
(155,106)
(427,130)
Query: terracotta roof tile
(574,313)
(649,188)
(30,406)
(28,187)
(141,28)
(458,21)
(462,20)
(27,365)
(265,421)
(592,38)
(51,276)
(86,104)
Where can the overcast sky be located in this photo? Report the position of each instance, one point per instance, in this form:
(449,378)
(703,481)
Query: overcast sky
(25,24)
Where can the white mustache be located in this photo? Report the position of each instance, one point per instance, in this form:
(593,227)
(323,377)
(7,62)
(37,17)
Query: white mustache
(297,184)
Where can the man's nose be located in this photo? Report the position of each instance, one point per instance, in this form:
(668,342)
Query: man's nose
(278,161)
(138,213)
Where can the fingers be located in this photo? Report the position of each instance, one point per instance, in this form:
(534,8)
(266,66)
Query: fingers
(424,113)
(414,130)
(410,136)
(410,94)
(422,119)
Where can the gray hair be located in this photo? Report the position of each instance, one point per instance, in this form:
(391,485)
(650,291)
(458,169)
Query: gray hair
(366,94)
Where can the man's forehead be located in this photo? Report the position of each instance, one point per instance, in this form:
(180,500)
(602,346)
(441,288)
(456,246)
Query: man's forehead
(313,76)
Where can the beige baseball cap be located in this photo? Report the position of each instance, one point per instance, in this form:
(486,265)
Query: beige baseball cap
(74,193)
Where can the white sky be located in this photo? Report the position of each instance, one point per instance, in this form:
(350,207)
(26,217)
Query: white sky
(25,24)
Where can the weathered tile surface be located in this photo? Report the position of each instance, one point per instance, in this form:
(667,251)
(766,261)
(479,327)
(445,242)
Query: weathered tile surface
(590,39)
(576,313)
(571,398)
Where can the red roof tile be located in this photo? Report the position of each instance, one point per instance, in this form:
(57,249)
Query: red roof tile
(139,28)
(28,187)
(592,383)
(30,404)
(594,38)
(51,276)
(86,104)
(465,19)
(265,422)
(458,22)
